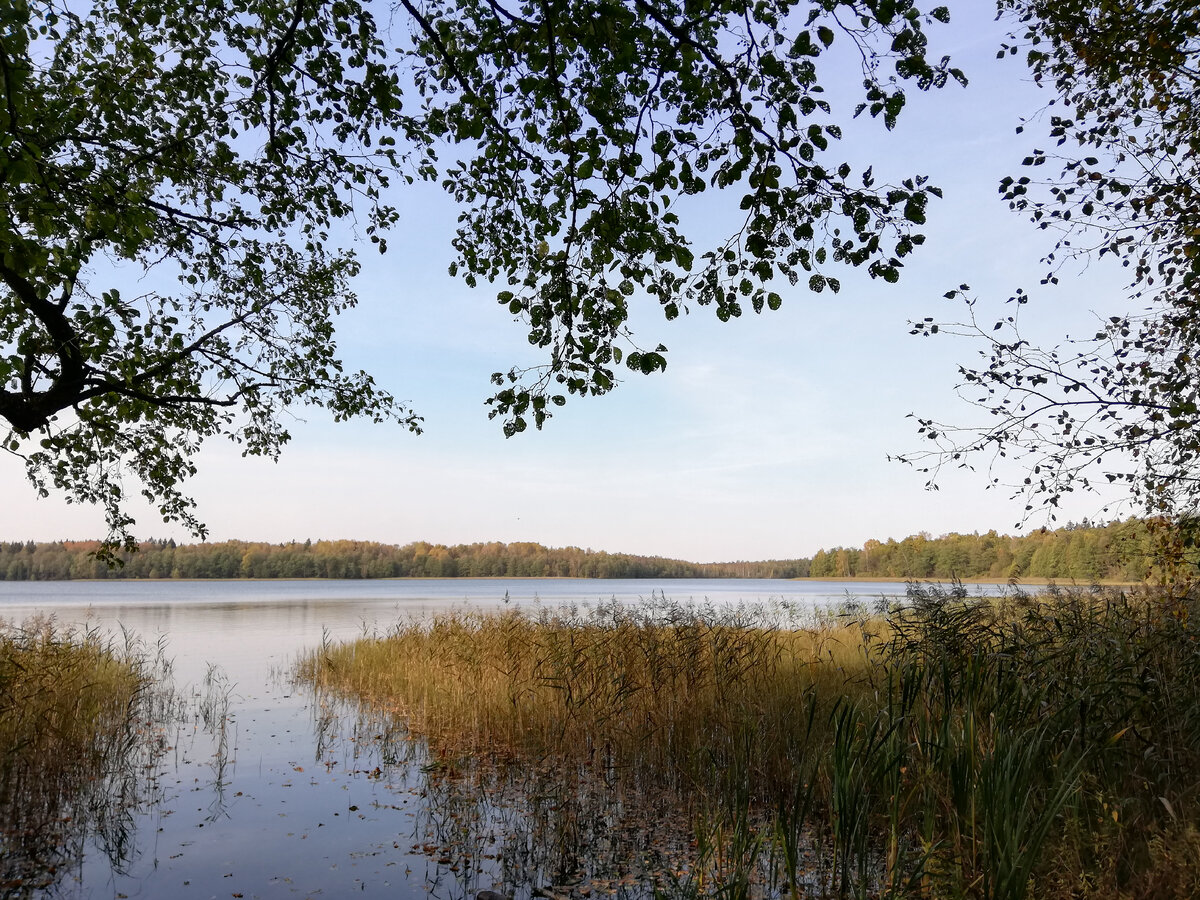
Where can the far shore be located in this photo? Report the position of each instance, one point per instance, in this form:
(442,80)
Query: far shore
(867,579)
(840,579)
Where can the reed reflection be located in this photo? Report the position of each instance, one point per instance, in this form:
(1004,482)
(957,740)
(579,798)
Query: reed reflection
(84,724)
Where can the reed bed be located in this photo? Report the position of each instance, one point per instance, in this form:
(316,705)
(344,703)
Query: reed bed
(685,697)
(946,747)
(78,746)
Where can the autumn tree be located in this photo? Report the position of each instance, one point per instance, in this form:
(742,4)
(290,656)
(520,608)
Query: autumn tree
(173,175)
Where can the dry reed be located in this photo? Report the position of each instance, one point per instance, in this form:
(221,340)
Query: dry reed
(77,746)
(946,747)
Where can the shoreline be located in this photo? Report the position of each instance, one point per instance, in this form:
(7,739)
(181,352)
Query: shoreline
(842,579)
(1041,582)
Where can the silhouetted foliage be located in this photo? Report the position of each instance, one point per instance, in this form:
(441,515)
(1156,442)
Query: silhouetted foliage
(1118,177)
(226,149)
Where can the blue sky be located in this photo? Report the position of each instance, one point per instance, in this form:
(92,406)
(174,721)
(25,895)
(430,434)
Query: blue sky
(766,437)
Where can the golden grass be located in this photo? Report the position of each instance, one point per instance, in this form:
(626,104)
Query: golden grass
(75,745)
(676,695)
(945,748)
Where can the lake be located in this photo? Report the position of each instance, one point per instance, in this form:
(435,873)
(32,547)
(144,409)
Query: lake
(264,792)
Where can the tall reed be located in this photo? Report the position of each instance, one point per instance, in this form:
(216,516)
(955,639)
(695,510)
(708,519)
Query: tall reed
(711,703)
(945,747)
(79,740)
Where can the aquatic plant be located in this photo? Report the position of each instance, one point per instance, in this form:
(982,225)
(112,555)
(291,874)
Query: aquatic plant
(80,736)
(944,747)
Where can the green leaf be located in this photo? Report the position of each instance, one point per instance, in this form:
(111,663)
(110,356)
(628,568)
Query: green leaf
(234,146)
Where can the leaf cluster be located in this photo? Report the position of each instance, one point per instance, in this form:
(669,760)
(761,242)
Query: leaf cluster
(217,144)
(212,154)
(583,125)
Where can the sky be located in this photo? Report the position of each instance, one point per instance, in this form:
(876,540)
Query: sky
(766,437)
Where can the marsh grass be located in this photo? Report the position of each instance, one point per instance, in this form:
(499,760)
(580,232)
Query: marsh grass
(671,694)
(944,747)
(79,742)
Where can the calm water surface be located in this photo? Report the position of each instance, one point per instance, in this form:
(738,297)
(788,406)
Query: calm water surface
(260,798)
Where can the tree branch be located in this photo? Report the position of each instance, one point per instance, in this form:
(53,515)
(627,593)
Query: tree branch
(28,411)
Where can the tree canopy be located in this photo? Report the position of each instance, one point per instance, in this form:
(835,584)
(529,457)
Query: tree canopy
(216,143)
(175,175)
(1118,178)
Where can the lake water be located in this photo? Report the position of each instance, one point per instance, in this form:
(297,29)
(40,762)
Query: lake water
(272,797)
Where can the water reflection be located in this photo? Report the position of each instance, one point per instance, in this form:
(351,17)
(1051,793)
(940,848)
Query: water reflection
(517,828)
(83,728)
(261,789)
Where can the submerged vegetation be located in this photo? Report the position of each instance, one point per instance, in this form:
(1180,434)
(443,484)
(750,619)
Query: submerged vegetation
(947,747)
(79,744)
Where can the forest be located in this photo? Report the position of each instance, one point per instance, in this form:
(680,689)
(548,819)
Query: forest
(1117,551)
(360,559)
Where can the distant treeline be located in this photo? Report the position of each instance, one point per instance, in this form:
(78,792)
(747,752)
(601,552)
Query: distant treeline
(362,559)
(1116,551)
